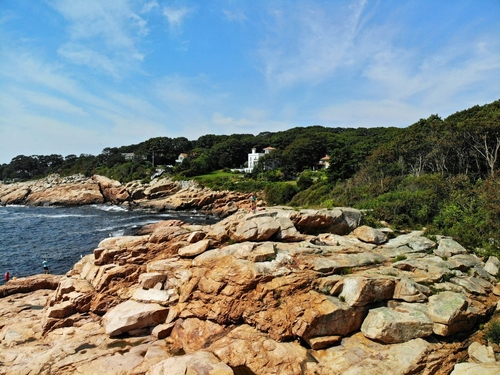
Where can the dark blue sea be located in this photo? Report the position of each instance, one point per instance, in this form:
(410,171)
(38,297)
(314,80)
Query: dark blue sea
(62,235)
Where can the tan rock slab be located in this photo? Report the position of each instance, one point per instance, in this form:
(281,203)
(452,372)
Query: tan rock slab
(194,249)
(476,369)
(198,363)
(250,351)
(131,315)
(446,306)
(410,291)
(448,247)
(391,326)
(327,316)
(370,235)
(361,291)
(481,353)
(193,334)
(358,355)
(150,280)
(492,266)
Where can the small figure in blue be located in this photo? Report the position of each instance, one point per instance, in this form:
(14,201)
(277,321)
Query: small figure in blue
(45,266)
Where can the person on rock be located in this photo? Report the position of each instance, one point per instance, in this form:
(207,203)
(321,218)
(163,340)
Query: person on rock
(6,277)
(253,201)
(45,266)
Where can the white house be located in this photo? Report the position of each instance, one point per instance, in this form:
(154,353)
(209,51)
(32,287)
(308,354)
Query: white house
(253,158)
(181,157)
(324,162)
(128,155)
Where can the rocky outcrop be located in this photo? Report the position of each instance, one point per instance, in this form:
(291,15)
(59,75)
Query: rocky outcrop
(52,190)
(278,291)
(30,284)
(112,191)
(159,194)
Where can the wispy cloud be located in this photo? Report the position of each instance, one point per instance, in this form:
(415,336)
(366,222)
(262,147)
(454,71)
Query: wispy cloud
(178,90)
(149,6)
(81,55)
(102,34)
(176,16)
(309,42)
(49,102)
(434,78)
(25,69)
(221,120)
(235,15)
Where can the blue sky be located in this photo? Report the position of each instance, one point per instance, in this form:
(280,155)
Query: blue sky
(79,76)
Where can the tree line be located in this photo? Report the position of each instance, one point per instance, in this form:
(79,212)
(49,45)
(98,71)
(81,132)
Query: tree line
(466,142)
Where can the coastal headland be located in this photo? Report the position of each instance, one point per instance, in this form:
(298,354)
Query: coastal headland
(275,291)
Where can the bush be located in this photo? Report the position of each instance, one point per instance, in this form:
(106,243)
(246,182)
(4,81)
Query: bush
(493,332)
(315,195)
(280,193)
(304,182)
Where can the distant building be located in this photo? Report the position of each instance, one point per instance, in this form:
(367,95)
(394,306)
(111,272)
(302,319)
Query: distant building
(253,158)
(181,157)
(128,155)
(324,162)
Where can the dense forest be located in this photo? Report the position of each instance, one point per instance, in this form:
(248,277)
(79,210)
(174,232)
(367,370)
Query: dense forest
(440,174)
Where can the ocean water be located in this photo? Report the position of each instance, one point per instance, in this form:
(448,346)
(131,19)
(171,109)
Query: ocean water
(64,234)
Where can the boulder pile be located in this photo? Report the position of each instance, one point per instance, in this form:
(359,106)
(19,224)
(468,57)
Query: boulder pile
(278,291)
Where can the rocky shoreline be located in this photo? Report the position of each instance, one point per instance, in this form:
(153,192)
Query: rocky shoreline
(278,291)
(160,194)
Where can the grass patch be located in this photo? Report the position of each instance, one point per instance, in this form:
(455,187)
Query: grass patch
(447,276)
(399,257)
(345,271)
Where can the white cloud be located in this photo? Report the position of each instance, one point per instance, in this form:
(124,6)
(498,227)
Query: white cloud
(80,55)
(149,6)
(25,69)
(309,43)
(436,78)
(48,102)
(235,15)
(175,16)
(102,34)
(221,120)
(190,92)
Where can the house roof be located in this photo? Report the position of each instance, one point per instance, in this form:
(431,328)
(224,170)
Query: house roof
(324,158)
(269,148)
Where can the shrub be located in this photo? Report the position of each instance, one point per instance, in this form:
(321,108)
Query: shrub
(279,193)
(493,332)
(304,182)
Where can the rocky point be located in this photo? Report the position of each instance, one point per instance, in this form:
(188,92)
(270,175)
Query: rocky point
(278,291)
